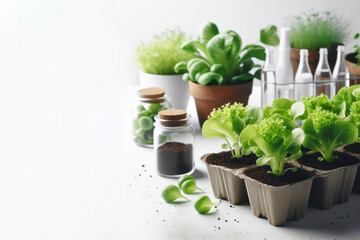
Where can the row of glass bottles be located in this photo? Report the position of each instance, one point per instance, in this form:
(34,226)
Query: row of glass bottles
(305,84)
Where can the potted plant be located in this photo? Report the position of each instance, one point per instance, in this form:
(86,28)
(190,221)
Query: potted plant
(156,61)
(325,131)
(314,31)
(353,62)
(227,123)
(351,97)
(222,70)
(277,190)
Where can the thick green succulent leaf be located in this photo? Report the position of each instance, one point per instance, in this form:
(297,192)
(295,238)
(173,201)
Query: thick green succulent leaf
(186,77)
(197,48)
(198,67)
(208,77)
(180,67)
(258,53)
(207,32)
(224,49)
(269,36)
(218,68)
(242,77)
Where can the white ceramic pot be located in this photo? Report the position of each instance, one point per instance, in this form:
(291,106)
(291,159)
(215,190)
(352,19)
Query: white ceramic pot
(175,88)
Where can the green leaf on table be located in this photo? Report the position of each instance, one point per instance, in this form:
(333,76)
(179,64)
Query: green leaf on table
(204,205)
(172,193)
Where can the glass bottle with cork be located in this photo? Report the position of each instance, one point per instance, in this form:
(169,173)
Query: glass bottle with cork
(173,143)
(149,102)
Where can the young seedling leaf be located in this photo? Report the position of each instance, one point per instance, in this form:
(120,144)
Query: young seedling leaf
(189,187)
(204,205)
(172,193)
(184,178)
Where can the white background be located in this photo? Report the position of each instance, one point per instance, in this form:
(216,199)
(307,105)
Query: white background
(66,162)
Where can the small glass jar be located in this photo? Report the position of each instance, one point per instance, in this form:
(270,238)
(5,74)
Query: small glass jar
(173,143)
(149,102)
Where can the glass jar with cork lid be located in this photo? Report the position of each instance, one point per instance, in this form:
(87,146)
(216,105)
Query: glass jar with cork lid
(173,143)
(149,102)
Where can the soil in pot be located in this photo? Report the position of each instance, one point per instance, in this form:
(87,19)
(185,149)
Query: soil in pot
(353,148)
(310,160)
(260,174)
(225,159)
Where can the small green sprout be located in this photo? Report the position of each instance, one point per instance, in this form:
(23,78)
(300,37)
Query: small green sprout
(190,187)
(172,193)
(146,123)
(184,178)
(204,205)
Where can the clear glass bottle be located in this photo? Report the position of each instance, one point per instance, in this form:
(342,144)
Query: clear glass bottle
(148,103)
(173,143)
(341,74)
(323,82)
(304,83)
(268,80)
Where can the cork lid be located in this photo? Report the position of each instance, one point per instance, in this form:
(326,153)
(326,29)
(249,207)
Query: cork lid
(173,117)
(153,92)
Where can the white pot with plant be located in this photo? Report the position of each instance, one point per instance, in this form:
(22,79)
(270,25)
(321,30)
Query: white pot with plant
(156,61)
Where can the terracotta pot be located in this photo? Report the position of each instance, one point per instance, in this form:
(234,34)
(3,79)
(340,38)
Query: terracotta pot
(209,97)
(313,59)
(353,69)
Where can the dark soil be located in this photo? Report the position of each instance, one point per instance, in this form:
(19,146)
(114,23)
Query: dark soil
(304,149)
(351,58)
(174,158)
(353,148)
(225,159)
(311,160)
(260,174)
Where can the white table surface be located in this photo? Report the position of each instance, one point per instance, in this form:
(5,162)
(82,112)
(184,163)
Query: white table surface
(69,170)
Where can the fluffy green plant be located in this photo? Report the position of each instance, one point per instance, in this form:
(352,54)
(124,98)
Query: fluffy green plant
(228,121)
(317,30)
(162,53)
(274,143)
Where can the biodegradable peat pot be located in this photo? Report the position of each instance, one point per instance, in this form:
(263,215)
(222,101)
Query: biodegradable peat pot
(224,177)
(175,88)
(278,204)
(333,182)
(209,97)
(353,69)
(354,149)
(313,59)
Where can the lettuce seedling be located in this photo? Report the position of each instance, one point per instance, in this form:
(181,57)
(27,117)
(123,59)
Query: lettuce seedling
(274,143)
(189,187)
(228,122)
(204,205)
(184,178)
(172,193)
(322,101)
(347,95)
(355,116)
(220,58)
(325,131)
(288,111)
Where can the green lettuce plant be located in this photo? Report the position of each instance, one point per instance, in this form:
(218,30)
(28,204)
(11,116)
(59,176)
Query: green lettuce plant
(317,30)
(162,53)
(346,96)
(325,131)
(288,111)
(313,102)
(228,121)
(355,116)
(274,143)
(220,58)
